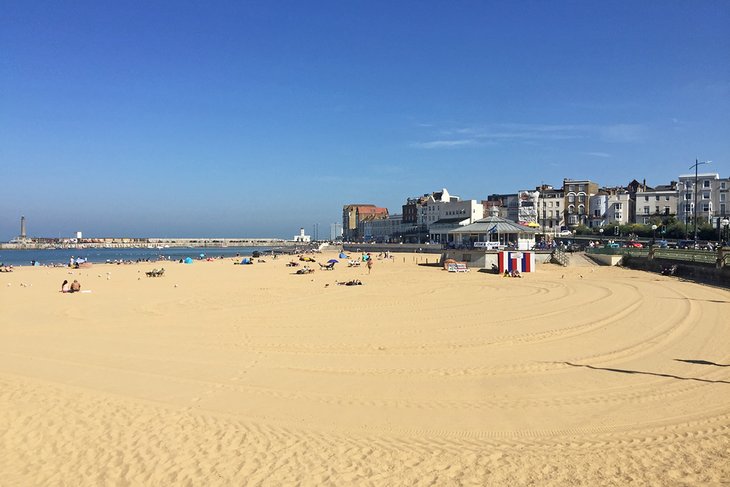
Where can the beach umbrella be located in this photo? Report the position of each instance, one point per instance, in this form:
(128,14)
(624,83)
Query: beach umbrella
(188,260)
(202,255)
(343,255)
(333,261)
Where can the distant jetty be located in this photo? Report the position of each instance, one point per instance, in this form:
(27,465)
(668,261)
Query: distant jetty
(130,243)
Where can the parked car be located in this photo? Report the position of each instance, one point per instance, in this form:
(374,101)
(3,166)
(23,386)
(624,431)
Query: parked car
(662,244)
(635,245)
(686,244)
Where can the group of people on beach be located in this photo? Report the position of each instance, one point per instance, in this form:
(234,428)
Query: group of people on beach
(74,287)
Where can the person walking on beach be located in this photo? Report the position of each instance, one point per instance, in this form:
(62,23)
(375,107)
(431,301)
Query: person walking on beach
(370,265)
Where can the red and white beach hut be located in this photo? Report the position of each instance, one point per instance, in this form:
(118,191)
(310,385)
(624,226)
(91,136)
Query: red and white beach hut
(511,260)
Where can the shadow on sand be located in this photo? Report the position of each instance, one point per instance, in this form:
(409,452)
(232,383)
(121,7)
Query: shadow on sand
(700,362)
(625,371)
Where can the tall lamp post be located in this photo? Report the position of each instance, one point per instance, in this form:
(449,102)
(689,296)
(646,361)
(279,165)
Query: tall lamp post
(600,230)
(653,234)
(724,224)
(696,165)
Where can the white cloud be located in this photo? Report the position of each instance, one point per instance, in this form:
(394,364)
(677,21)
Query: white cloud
(440,144)
(525,133)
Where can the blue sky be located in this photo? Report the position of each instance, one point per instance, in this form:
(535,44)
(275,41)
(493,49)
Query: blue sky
(256,118)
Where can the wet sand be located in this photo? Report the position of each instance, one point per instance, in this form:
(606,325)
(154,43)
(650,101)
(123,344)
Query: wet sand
(220,374)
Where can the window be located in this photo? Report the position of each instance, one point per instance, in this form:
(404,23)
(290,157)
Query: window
(705,196)
(657,197)
(722,196)
(581,198)
(722,185)
(657,209)
(646,198)
(557,204)
(722,209)
(571,187)
(571,198)
(646,210)
(571,209)
(706,183)
(666,210)
(706,207)
(581,209)
(666,197)
(618,206)
(581,187)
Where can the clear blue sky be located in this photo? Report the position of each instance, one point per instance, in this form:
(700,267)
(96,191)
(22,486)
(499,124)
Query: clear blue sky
(255,118)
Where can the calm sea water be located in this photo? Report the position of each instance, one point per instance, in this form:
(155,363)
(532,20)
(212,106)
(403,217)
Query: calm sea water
(62,256)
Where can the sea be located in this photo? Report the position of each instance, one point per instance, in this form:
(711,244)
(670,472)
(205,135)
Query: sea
(99,255)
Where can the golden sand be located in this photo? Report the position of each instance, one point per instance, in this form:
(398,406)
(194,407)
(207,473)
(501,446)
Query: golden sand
(219,374)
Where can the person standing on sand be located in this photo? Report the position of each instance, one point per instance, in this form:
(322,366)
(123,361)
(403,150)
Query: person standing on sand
(370,265)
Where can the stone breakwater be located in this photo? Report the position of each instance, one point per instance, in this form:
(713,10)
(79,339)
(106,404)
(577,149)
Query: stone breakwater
(150,243)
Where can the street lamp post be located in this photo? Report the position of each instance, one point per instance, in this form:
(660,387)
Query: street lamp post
(724,224)
(600,230)
(653,234)
(696,165)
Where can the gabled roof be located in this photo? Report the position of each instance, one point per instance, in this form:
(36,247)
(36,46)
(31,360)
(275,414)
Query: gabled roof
(494,224)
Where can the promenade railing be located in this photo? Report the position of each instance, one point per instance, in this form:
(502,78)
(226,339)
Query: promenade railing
(720,257)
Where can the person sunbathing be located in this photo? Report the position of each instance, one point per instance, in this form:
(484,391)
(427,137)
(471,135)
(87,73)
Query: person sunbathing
(75,287)
(354,282)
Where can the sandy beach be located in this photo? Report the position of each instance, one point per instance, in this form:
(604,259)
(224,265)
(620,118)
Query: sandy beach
(222,374)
